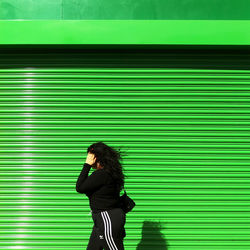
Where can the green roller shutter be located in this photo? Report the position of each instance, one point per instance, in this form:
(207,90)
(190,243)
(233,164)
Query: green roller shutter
(181,116)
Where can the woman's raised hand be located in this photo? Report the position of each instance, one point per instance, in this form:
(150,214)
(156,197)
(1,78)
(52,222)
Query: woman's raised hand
(90,159)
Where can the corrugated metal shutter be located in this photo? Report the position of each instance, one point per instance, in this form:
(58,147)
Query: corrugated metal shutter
(181,116)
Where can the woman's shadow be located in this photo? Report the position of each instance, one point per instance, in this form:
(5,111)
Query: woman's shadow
(152,238)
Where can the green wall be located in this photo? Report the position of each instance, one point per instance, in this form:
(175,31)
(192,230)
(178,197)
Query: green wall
(181,117)
(126,9)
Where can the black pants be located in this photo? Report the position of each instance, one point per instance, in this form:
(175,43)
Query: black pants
(108,230)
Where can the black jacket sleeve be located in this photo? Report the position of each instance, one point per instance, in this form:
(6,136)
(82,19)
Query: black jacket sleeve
(87,183)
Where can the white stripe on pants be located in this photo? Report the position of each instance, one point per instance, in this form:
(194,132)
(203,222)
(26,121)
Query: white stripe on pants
(108,230)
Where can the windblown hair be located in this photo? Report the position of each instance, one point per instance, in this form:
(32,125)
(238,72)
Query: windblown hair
(109,158)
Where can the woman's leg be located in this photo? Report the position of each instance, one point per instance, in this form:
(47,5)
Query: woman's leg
(94,242)
(112,228)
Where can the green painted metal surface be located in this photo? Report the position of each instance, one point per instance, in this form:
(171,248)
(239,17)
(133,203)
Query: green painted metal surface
(126,9)
(134,32)
(181,116)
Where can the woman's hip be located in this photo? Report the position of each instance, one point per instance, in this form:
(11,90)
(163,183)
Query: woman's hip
(114,218)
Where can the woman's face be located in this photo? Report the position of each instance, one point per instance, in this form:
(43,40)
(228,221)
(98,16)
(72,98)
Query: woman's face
(96,165)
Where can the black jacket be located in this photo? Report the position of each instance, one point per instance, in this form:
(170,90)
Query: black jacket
(99,187)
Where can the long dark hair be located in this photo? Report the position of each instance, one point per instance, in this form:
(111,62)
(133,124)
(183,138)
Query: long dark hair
(109,158)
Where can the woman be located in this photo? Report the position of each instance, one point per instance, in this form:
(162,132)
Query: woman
(103,188)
